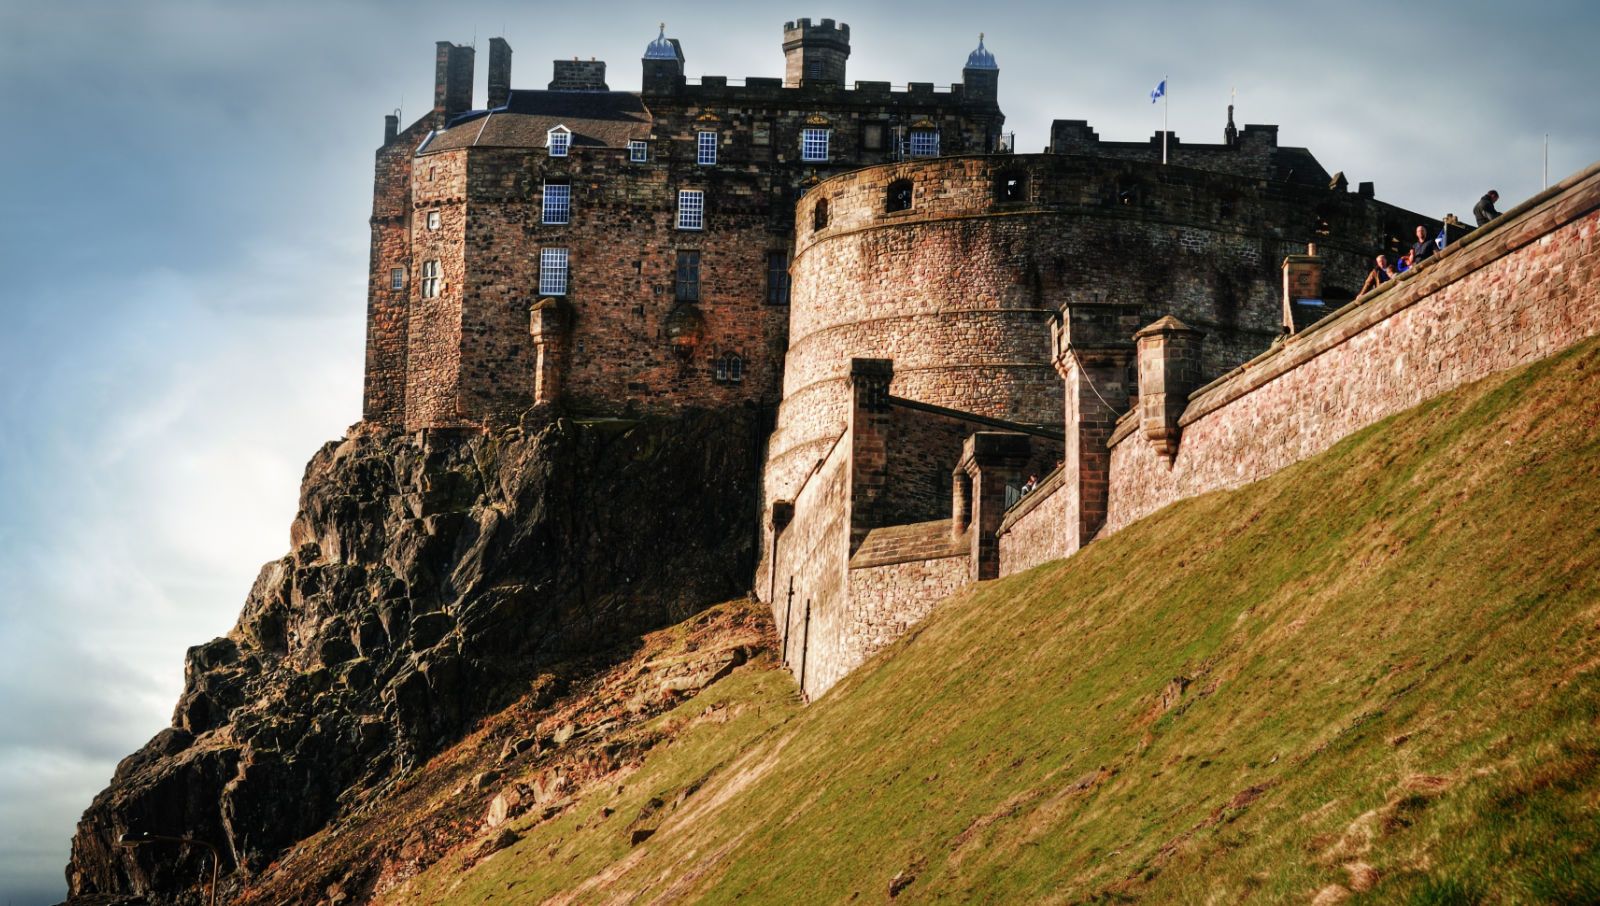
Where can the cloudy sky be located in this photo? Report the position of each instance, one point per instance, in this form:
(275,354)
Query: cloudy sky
(184,220)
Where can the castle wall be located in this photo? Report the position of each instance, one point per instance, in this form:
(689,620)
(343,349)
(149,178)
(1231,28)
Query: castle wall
(1035,529)
(1522,289)
(959,289)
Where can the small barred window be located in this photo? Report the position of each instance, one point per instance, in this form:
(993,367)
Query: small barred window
(814,144)
(728,369)
(688,277)
(638,151)
(924,143)
(397,278)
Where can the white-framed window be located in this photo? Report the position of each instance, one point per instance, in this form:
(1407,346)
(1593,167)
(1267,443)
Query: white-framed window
(814,144)
(433,220)
(558,140)
(691,209)
(638,151)
(552,272)
(397,278)
(924,143)
(557,202)
(728,369)
(705,149)
(430,279)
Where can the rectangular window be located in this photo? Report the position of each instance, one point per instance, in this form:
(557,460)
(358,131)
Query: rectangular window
(761,133)
(397,278)
(552,272)
(872,136)
(814,144)
(557,202)
(691,209)
(777,278)
(430,279)
(688,277)
(433,220)
(638,151)
(924,143)
(706,149)
(558,140)
(815,69)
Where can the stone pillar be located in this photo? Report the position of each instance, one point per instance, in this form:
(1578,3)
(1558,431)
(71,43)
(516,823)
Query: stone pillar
(547,324)
(1302,285)
(869,443)
(993,460)
(1169,370)
(1093,351)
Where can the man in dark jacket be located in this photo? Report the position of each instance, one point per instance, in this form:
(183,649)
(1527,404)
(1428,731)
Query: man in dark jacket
(1423,247)
(1485,211)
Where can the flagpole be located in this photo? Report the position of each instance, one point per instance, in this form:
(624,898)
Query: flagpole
(1547,160)
(1166,94)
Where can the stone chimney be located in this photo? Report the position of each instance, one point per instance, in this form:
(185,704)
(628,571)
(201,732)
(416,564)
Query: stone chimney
(814,54)
(579,75)
(391,127)
(452,78)
(499,72)
(1302,289)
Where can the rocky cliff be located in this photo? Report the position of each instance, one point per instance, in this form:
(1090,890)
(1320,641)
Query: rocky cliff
(432,578)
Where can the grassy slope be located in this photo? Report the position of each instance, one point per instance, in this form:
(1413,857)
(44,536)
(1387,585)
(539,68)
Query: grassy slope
(1390,681)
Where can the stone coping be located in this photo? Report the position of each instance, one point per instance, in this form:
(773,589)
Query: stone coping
(1047,486)
(1555,207)
(911,543)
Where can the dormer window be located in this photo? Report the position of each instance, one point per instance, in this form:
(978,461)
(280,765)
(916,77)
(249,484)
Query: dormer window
(558,140)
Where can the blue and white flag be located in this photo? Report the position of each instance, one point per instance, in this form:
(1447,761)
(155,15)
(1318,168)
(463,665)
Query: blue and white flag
(1160,92)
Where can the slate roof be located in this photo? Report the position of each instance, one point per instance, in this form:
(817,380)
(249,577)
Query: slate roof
(603,119)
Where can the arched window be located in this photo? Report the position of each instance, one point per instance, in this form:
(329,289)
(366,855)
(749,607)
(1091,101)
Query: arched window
(819,214)
(1010,187)
(899,196)
(729,368)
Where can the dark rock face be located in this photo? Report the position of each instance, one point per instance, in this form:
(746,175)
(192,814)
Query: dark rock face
(430,579)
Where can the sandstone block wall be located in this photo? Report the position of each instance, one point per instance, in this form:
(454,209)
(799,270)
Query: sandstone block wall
(1035,529)
(1522,289)
(811,557)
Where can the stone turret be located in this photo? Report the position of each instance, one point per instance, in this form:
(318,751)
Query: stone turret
(814,53)
(980,78)
(663,64)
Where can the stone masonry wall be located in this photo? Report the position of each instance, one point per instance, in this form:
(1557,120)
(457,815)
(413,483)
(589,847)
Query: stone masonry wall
(1034,530)
(433,361)
(812,553)
(959,289)
(1519,290)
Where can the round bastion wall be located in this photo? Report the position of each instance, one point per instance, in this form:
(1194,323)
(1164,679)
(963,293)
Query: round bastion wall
(959,288)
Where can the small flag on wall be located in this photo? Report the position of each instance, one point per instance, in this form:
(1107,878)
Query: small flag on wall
(1160,92)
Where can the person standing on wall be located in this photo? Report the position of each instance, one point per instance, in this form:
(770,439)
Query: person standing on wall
(1484,210)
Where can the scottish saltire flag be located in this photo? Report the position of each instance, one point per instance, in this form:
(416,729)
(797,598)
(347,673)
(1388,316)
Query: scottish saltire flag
(1440,239)
(1160,92)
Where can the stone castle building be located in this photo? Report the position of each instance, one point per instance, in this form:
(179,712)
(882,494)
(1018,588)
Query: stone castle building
(936,318)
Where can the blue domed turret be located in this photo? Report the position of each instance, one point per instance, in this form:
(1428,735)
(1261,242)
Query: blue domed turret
(661,48)
(981,58)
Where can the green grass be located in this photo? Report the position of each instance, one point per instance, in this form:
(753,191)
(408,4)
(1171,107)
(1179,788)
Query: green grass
(1390,663)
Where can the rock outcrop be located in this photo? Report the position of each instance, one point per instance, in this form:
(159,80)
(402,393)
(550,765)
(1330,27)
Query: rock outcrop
(431,577)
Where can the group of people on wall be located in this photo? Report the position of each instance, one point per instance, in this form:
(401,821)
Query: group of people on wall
(1424,248)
